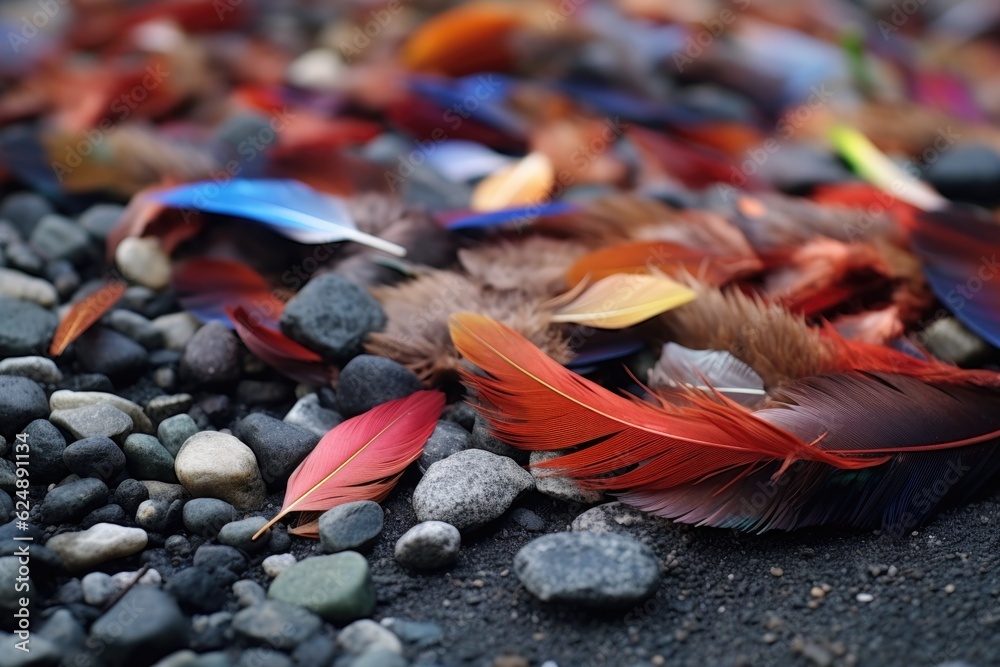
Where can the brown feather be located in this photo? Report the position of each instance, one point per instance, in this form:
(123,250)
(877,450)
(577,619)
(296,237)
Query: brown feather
(535,264)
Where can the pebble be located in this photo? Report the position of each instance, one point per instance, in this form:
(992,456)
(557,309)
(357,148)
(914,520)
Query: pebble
(318,69)
(18,285)
(483,438)
(174,432)
(224,562)
(177,329)
(527,519)
(130,494)
(366,636)
(63,278)
(864,597)
(277,563)
(277,623)
(69,502)
(97,588)
(352,526)
(461,413)
(160,408)
(215,465)
(38,369)
(108,514)
(100,219)
(103,350)
(248,592)
(212,356)
(588,569)
(23,257)
(42,652)
(560,488)
(142,260)
(337,587)
(429,545)
(56,237)
(165,491)
(159,516)
(84,549)
(24,210)
(617,517)
(9,600)
(469,489)
(65,399)
(367,381)
(148,459)
(96,457)
(25,328)
(448,438)
(197,590)
(948,340)
(178,546)
(205,517)
(332,316)
(93,420)
(317,650)
(239,534)
(419,634)
(63,630)
(143,626)
(135,326)
(309,414)
(256,657)
(21,402)
(279,447)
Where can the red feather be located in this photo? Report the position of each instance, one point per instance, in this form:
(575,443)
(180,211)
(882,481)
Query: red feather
(84,313)
(278,351)
(362,458)
(205,286)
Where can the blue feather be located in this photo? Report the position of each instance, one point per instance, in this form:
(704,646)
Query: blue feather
(521,215)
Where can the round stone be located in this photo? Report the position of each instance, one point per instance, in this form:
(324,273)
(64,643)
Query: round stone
(38,369)
(25,210)
(96,457)
(337,587)
(367,636)
(72,501)
(130,494)
(470,489)
(84,549)
(65,400)
(142,627)
(483,438)
(103,350)
(25,328)
(367,381)
(174,431)
(148,459)
(588,569)
(100,219)
(278,446)
(93,420)
(205,517)
(215,465)
(212,356)
(448,438)
(309,414)
(278,563)
(350,527)
(547,481)
(19,285)
(55,237)
(47,445)
(21,402)
(197,590)
(277,623)
(429,545)
(142,260)
(239,534)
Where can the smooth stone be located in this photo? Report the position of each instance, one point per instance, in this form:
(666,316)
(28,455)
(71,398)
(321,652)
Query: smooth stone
(130,494)
(24,210)
(55,237)
(47,444)
(174,432)
(63,277)
(950,341)
(276,623)
(100,219)
(353,526)
(87,382)
(429,545)
(72,501)
(159,516)
(105,541)
(367,381)
(527,519)
(165,491)
(239,535)
(25,328)
(65,400)
(224,562)
(256,657)
(316,650)
(143,626)
(332,316)
(338,587)
(9,595)
(215,465)
(588,569)
(93,420)
(418,634)
(248,592)
(309,414)
(205,517)
(617,517)
(380,658)
(63,630)
(483,438)
(279,447)
(42,653)
(461,413)
(448,438)
(108,514)
(178,546)
(38,369)
(276,564)
(142,260)
(548,482)
(23,257)
(97,588)
(135,326)
(177,329)
(470,489)
(212,632)
(6,507)
(21,402)
(148,459)
(17,285)
(212,356)
(160,408)
(196,589)
(103,350)
(96,457)
(366,636)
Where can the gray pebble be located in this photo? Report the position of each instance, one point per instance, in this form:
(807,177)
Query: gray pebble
(96,457)
(38,369)
(56,237)
(159,630)
(367,381)
(248,592)
(309,414)
(205,517)
(429,545)
(72,501)
(148,459)
(352,526)
(25,328)
(239,534)
(173,431)
(276,623)
(448,438)
(278,446)
(94,420)
(212,356)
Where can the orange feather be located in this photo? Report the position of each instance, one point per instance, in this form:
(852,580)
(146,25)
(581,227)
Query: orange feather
(84,313)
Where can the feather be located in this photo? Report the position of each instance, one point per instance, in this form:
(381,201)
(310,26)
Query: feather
(82,314)
(519,216)
(855,449)
(206,286)
(363,457)
(278,351)
(670,258)
(525,183)
(290,208)
(620,300)
(529,263)
(710,371)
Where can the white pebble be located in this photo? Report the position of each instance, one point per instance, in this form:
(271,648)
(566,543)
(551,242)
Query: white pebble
(142,261)
(864,597)
(278,563)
